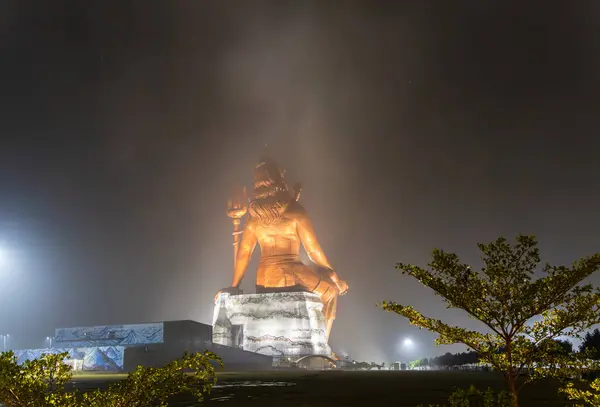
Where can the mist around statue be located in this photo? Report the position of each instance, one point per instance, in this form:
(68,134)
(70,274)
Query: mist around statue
(403,127)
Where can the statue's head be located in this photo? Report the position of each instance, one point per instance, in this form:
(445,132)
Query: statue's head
(271,196)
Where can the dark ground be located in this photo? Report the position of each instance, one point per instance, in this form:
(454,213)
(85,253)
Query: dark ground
(354,388)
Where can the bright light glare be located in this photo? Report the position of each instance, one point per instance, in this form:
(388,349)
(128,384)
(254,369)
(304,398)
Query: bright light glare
(408,342)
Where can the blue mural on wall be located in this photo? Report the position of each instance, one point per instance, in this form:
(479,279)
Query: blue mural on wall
(110,335)
(97,358)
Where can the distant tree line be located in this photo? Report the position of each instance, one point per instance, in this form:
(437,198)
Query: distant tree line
(356,365)
(446,360)
(590,344)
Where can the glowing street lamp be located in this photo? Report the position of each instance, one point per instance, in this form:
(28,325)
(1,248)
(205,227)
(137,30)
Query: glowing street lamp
(406,348)
(49,339)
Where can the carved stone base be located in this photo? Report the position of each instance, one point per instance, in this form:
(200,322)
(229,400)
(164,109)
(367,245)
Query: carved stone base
(275,324)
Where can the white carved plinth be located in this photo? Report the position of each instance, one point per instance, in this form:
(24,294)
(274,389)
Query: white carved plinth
(275,324)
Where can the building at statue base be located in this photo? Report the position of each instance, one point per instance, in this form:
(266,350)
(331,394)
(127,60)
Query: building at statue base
(282,324)
(121,348)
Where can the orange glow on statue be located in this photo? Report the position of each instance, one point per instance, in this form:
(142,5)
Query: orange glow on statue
(279,224)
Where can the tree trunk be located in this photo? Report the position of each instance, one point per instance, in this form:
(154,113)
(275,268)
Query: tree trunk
(511,377)
(513,388)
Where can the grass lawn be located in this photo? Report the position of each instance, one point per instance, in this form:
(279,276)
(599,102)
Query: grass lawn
(347,388)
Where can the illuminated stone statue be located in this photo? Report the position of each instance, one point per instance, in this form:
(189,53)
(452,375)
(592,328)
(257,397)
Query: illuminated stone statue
(279,224)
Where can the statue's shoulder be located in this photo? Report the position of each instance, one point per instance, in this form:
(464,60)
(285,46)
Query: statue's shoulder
(295,211)
(251,223)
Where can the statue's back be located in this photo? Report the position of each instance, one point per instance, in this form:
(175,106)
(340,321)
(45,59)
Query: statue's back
(280,238)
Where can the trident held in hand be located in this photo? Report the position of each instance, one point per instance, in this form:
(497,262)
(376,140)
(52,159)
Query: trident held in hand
(236,209)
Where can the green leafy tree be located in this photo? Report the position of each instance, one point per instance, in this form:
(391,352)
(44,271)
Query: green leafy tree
(193,374)
(41,383)
(591,344)
(418,363)
(520,313)
(563,347)
(588,397)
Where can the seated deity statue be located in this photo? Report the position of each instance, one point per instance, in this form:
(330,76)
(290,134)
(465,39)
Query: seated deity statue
(279,224)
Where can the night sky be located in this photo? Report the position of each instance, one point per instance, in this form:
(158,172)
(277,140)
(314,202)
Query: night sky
(124,127)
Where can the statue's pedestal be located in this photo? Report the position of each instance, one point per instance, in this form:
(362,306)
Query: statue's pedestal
(275,324)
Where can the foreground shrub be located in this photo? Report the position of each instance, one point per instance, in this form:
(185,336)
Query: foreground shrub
(585,397)
(472,397)
(42,383)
